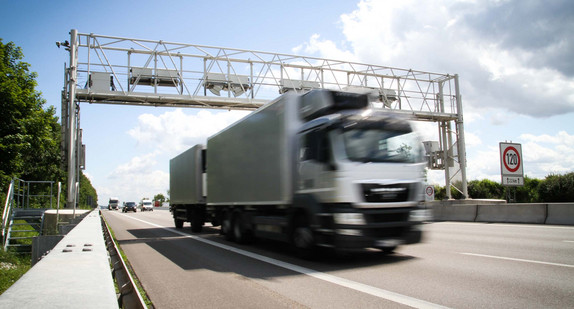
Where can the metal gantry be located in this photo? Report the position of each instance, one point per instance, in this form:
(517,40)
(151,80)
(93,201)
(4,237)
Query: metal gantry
(115,70)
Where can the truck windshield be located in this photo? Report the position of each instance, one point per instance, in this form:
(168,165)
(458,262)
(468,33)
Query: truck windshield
(379,145)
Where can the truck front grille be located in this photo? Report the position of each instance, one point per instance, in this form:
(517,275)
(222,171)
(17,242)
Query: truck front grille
(377,193)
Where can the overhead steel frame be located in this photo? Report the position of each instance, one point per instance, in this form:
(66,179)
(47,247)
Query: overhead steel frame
(127,71)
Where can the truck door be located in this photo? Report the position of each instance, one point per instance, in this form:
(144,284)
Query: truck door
(316,165)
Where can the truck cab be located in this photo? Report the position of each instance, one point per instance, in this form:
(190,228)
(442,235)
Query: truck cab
(364,172)
(114,203)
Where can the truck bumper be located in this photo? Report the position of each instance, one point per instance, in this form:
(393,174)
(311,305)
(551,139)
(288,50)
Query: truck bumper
(359,242)
(383,228)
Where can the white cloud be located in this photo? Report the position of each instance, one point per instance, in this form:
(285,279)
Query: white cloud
(546,154)
(561,138)
(495,70)
(485,164)
(137,166)
(174,131)
(161,137)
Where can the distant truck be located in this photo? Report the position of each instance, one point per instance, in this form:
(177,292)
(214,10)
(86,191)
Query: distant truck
(146,205)
(114,203)
(320,169)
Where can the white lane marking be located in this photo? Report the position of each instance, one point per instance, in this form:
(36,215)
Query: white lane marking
(516,260)
(568,240)
(388,295)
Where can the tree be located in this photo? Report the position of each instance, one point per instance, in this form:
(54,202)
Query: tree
(159,197)
(29,134)
(88,195)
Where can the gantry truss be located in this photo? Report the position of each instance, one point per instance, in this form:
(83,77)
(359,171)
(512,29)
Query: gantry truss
(114,70)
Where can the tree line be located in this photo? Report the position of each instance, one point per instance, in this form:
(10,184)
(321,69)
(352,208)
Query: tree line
(30,134)
(554,188)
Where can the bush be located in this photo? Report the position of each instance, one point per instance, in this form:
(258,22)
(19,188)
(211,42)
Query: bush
(529,192)
(485,189)
(557,188)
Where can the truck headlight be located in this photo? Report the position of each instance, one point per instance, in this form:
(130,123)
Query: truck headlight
(349,218)
(420,215)
(348,232)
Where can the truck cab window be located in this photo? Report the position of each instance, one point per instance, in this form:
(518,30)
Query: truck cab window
(315,146)
(377,145)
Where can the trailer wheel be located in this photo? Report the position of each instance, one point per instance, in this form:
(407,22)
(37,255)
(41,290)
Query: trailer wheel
(240,233)
(196,220)
(226,226)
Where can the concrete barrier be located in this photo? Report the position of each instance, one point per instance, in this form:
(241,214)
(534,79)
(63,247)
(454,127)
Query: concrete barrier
(500,211)
(560,214)
(75,274)
(63,216)
(443,212)
(512,213)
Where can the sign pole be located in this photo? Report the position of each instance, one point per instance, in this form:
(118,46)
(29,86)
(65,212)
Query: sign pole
(511,165)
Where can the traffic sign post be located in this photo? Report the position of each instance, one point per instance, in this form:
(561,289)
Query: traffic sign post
(511,164)
(429,193)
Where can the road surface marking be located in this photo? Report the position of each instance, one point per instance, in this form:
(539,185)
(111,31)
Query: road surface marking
(517,260)
(388,295)
(568,240)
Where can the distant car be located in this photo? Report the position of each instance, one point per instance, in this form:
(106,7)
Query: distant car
(146,205)
(130,206)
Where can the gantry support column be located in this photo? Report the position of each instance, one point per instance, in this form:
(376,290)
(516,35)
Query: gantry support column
(72,135)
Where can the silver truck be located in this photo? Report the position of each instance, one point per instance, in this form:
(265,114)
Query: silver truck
(322,169)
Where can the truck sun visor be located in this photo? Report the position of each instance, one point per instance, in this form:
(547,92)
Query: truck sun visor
(317,103)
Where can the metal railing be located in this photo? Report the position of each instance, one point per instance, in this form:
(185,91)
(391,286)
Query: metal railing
(21,196)
(6,213)
(129,294)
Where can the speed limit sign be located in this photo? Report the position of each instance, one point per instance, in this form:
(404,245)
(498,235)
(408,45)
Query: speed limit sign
(511,164)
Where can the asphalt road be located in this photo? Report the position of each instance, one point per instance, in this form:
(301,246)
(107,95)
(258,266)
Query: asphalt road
(459,265)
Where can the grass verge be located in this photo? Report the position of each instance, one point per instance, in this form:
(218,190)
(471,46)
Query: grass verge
(12,267)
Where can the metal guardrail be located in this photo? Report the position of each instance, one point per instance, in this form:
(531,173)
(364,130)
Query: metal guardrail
(129,295)
(6,213)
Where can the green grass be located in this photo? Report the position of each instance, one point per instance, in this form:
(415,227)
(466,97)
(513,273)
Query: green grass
(12,267)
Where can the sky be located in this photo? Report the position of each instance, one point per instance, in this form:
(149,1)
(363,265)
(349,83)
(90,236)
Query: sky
(514,58)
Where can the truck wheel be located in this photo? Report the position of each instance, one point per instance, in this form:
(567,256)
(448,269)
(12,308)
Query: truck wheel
(240,233)
(388,250)
(226,226)
(178,223)
(302,238)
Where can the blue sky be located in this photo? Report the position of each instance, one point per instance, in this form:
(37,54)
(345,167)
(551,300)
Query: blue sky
(514,58)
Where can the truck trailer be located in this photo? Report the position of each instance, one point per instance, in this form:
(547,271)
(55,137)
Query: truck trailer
(321,169)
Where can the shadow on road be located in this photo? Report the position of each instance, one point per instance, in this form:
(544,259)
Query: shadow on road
(190,254)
